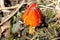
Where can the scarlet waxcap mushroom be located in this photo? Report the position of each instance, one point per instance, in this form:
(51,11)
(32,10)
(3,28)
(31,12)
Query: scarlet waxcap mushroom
(32,17)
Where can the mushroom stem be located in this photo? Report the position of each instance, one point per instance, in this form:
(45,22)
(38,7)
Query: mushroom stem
(31,30)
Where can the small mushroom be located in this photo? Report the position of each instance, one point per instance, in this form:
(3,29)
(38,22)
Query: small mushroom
(32,17)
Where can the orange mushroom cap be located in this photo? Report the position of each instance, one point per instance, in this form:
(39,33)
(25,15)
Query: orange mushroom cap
(32,16)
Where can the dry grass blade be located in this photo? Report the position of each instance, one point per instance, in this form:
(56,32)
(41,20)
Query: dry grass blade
(12,7)
(12,13)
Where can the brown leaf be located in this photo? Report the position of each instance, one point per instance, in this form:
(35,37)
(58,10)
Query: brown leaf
(6,34)
(0,32)
(5,26)
(58,15)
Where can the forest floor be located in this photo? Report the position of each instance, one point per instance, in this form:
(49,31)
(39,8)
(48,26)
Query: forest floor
(12,27)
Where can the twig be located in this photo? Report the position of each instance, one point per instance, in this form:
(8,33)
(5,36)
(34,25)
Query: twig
(46,7)
(56,38)
(2,6)
(2,3)
(12,13)
(12,7)
(50,4)
(34,36)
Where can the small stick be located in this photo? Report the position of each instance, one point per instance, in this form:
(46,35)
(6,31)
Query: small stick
(46,7)
(12,7)
(2,6)
(12,14)
(34,36)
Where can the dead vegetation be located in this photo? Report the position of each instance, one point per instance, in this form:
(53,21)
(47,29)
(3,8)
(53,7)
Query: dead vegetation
(13,28)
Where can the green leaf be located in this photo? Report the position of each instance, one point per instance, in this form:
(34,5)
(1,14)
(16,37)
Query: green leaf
(14,19)
(50,13)
(10,37)
(19,14)
(41,32)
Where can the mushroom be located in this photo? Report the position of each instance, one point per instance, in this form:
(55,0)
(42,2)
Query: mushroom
(32,17)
